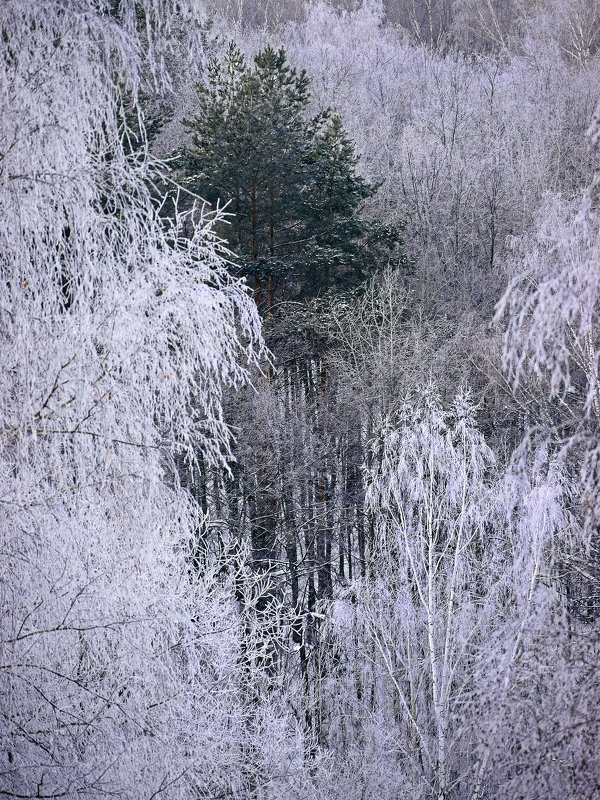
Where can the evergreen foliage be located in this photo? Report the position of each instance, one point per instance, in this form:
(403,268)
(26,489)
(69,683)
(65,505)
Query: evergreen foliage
(291,180)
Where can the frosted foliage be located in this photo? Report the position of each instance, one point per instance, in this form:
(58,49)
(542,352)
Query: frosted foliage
(552,303)
(89,269)
(463,148)
(551,312)
(461,557)
(117,665)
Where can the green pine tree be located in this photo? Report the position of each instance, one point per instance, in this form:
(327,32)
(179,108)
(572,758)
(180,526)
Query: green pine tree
(291,181)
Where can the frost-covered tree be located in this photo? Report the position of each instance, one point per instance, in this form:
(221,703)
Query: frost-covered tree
(551,338)
(551,308)
(120,668)
(459,580)
(463,148)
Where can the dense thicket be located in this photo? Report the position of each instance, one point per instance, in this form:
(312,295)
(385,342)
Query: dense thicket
(365,562)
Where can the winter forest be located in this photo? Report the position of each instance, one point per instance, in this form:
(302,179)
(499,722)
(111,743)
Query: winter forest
(300,399)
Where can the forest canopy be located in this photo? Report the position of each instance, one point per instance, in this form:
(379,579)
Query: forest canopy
(299,402)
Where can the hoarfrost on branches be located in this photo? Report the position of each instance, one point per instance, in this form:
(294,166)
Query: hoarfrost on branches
(461,568)
(117,336)
(423,628)
(551,308)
